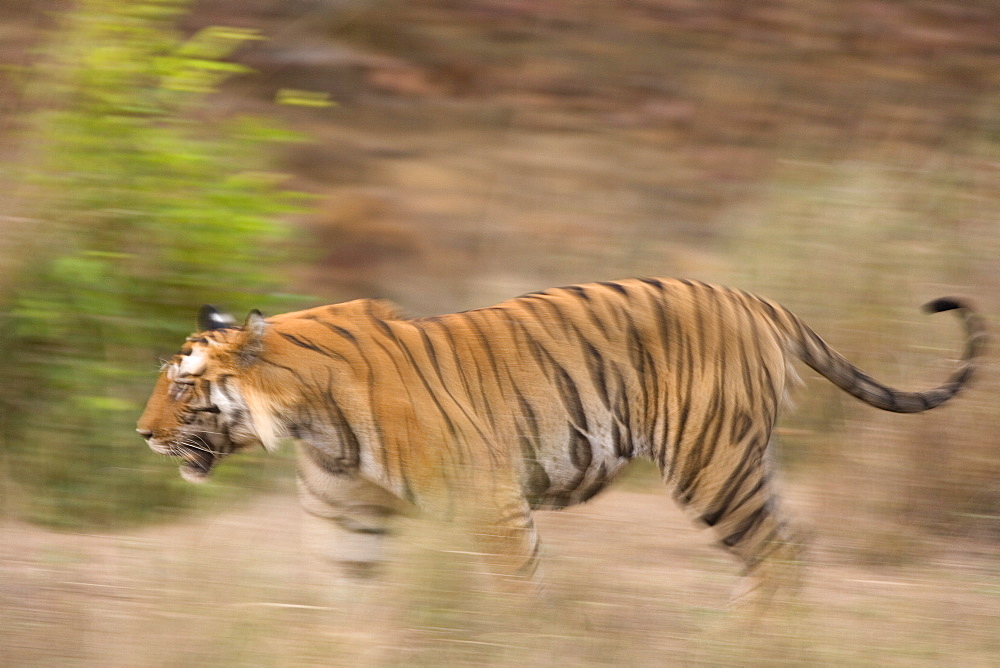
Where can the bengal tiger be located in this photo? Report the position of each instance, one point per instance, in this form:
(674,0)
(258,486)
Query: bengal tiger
(534,403)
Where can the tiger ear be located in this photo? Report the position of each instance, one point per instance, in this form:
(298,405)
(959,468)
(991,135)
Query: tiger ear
(210,318)
(253,337)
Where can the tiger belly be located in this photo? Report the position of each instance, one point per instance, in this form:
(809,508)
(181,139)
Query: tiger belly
(555,476)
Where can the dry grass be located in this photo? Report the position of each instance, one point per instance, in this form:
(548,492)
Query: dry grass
(631,582)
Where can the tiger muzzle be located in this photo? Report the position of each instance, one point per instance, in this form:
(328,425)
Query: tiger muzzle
(199,453)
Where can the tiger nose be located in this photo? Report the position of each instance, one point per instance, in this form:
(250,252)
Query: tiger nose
(145,433)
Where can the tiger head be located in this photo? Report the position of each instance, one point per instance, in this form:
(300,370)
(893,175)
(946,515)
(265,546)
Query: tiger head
(198,410)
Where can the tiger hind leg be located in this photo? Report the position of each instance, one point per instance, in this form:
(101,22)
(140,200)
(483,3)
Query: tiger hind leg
(735,496)
(771,553)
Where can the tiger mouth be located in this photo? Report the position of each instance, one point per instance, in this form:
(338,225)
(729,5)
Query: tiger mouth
(198,461)
(197,465)
(199,454)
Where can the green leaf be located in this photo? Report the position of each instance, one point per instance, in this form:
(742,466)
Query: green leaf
(304,98)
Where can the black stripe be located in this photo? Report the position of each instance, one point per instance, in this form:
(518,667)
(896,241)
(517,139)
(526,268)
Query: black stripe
(654,282)
(384,326)
(749,464)
(599,483)
(660,411)
(578,291)
(771,311)
(745,527)
(298,377)
(621,416)
(405,386)
(462,405)
(222,382)
(584,305)
(678,355)
(700,454)
(460,366)
(639,358)
(617,287)
(595,365)
(741,425)
(769,400)
(557,314)
(327,463)
(449,422)
(301,342)
(537,481)
(684,392)
(570,397)
(581,454)
(699,319)
(351,454)
(340,331)
(431,353)
(709,439)
(749,494)
(484,341)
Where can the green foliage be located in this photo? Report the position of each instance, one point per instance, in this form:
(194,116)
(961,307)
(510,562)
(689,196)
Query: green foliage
(145,206)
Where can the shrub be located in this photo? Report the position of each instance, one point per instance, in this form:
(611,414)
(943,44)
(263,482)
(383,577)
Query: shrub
(141,207)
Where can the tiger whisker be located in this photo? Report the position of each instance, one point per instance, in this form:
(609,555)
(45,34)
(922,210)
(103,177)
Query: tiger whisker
(203,446)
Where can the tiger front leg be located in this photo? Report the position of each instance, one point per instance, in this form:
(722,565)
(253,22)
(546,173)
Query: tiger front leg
(509,548)
(348,518)
(354,548)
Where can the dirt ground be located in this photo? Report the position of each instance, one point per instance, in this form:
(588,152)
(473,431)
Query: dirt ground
(630,582)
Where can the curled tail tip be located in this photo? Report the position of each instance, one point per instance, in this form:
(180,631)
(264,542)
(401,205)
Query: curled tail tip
(945,304)
(974,325)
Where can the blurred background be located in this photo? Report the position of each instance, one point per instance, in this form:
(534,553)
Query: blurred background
(839,157)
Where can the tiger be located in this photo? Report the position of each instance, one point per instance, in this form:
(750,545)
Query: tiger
(486,415)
